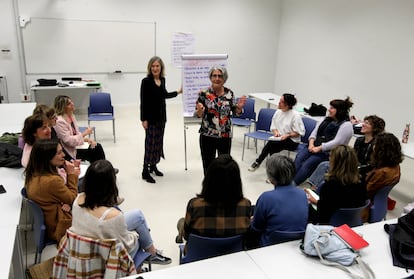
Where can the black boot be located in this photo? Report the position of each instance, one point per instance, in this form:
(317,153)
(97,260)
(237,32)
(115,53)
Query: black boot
(153,168)
(146,175)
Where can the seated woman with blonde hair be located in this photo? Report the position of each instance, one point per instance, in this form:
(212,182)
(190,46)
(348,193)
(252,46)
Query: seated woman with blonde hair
(343,187)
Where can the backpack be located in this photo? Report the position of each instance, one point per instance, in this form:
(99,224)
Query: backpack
(402,241)
(12,138)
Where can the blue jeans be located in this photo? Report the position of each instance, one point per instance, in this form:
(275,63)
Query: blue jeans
(318,176)
(306,162)
(135,221)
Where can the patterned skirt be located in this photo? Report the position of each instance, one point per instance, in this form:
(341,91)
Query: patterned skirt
(154,143)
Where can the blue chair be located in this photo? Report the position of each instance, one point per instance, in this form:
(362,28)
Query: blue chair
(200,247)
(262,129)
(39,227)
(378,209)
(248,117)
(277,237)
(101,109)
(350,216)
(309,124)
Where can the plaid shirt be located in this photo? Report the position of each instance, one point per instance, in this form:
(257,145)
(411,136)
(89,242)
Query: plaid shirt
(212,221)
(83,257)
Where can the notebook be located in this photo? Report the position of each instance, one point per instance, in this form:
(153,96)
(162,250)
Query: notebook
(350,237)
(314,195)
(273,138)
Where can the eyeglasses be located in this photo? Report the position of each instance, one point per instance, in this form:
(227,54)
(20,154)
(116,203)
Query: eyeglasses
(217,76)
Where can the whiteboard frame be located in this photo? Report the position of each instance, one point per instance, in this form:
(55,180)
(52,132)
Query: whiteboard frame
(40,58)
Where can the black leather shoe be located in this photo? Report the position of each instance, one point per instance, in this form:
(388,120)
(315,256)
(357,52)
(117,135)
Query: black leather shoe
(153,169)
(148,178)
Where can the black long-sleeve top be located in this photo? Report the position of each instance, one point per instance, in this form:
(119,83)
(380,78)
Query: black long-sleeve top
(153,100)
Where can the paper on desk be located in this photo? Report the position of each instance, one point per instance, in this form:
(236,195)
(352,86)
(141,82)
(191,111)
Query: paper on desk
(85,145)
(273,138)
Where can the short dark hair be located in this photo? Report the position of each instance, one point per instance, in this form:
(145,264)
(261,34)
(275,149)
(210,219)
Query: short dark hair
(280,170)
(222,183)
(99,185)
(377,123)
(290,100)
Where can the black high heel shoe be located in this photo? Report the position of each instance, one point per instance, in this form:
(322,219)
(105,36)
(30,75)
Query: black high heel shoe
(153,169)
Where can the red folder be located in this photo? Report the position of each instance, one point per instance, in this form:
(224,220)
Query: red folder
(353,239)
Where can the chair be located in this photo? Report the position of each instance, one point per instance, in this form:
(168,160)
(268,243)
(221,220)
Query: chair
(248,117)
(262,129)
(101,109)
(277,237)
(200,247)
(378,209)
(98,258)
(39,227)
(350,216)
(309,124)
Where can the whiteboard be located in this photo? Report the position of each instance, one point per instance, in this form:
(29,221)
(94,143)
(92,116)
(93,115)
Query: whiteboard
(53,46)
(195,69)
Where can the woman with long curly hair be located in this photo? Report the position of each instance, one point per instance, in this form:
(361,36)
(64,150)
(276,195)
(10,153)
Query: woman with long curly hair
(386,158)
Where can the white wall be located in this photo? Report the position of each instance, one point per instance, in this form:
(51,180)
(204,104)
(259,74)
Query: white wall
(245,30)
(362,49)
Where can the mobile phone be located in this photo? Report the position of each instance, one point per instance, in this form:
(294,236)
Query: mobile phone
(2,190)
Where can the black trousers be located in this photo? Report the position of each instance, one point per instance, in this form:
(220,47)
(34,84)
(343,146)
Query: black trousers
(90,154)
(209,146)
(275,147)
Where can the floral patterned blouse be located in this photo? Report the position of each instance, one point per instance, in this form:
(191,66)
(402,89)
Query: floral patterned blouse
(218,111)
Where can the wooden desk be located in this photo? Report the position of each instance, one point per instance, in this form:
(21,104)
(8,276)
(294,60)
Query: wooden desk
(78,92)
(286,259)
(12,116)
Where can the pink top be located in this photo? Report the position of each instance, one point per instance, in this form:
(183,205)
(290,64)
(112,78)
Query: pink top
(69,134)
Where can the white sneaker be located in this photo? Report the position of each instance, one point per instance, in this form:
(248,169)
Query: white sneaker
(254,166)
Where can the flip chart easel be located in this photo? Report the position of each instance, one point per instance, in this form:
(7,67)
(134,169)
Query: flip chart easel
(195,69)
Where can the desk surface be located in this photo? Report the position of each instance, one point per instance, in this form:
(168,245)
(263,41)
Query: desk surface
(238,265)
(56,87)
(12,116)
(10,206)
(273,99)
(286,259)
(408,149)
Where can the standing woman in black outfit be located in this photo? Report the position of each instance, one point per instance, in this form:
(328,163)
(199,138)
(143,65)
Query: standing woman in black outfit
(154,116)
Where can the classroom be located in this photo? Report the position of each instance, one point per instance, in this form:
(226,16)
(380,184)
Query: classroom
(317,49)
